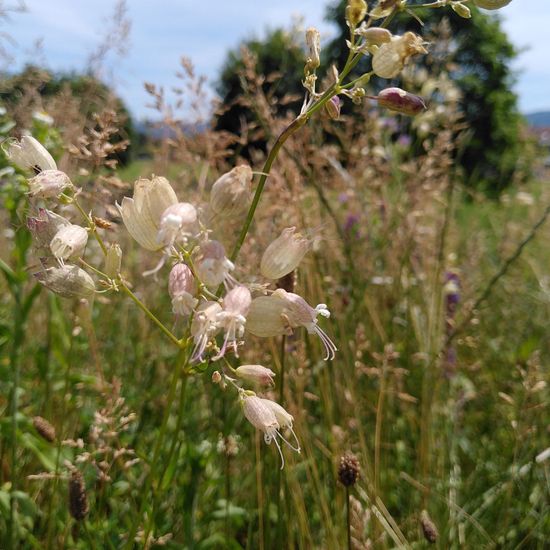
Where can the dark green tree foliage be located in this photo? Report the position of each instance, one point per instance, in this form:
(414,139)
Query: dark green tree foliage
(97,95)
(482,56)
(279,54)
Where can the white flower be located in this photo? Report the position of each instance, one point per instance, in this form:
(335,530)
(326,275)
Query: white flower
(178,221)
(181,287)
(204,327)
(390,58)
(232,318)
(142,213)
(49,184)
(69,242)
(29,154)
(277,314)
(284,254)
(68,281)
(212,266)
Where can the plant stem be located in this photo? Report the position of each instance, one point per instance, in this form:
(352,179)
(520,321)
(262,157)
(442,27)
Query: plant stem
(348,518)
(15,368)
(150,314)
(91,225)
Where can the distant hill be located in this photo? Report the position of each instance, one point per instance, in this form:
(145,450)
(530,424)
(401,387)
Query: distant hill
(539,119)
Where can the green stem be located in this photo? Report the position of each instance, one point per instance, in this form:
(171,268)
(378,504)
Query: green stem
(150,314)
(180,366)
(91,225)
(348,519)
(15,368)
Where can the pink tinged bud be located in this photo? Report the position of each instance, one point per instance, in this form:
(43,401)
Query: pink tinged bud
(142,213)
(212,266)
(491,4)
(45,226)
(49,184)
(181,287)
(257,374)
(177,222)
(332,107)
(401,101)
(233,318)
(29,154)
(204,327)
(231,193)
(69,242)
(69,281)
(284,254)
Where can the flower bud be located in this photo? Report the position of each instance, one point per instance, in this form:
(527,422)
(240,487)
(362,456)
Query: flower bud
(313,41)
(374,36)
(391,57)
(29,154)
(257,374)
(401,101)
(142,213)
(355,12)
(230,194)
(181,287)
(491,4)
(177,221)
(332,107)
(113,260)
(69,242)
(461,9)
(284,254)
(49,184)
(68,281)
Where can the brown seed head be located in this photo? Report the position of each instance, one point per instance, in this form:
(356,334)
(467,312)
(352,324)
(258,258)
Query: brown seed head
(349,469)
(78,501)
(44,428)
(428,527)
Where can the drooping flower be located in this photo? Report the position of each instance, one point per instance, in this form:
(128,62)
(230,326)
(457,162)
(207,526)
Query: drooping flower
(177,222)
(44,227)
(262,414)
(204,327)
(231,193)
(49,184)
(69,242)
(281,311)
(181,287)
(284,254)
(232,318)
(212,265)
(29,154)
(142,213)
(68,281)
(390,58)
(257,374)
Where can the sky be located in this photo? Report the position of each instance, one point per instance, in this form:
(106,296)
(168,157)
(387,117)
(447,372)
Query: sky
(164,30)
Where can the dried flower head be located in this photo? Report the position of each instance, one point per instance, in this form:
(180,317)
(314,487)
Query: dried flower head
(44,428)
(78,501)
(29,154)
(284,254)
(313,42)
(429,528)
(355,12)
(390,58)
(348,470)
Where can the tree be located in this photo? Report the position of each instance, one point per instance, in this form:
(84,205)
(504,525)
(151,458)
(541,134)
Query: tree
(280,57)
(482,60)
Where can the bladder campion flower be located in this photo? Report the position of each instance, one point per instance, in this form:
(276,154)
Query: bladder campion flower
(257,374)
(230,194)
(29,154)
(49,184)
(204,327)
(177,222)
(181,287)
(284,254)
(400,101)
(69,242)
(68,281)
(142,213)
(212,265)
(390,58)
